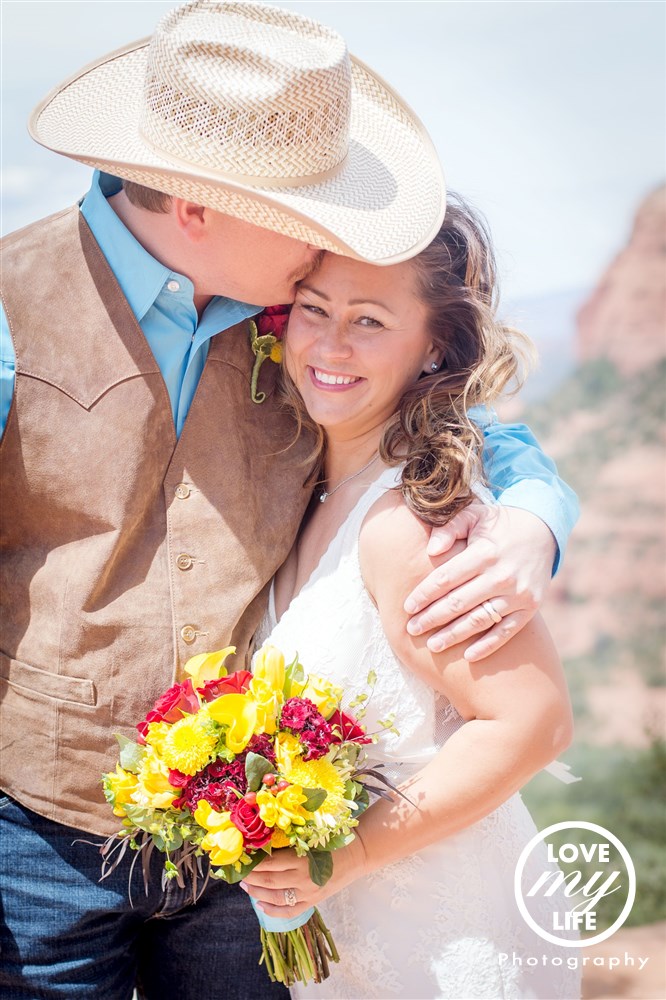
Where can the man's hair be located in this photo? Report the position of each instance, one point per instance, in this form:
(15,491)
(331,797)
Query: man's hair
(145,197)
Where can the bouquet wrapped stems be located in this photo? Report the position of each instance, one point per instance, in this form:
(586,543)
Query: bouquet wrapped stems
(298,952)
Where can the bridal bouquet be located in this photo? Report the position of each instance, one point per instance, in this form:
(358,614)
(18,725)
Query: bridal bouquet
(232,767)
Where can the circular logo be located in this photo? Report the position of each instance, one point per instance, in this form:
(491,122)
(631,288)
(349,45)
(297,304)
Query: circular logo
(592,866)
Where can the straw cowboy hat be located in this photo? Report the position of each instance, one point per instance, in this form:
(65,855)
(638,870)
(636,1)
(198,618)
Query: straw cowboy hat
(258,113)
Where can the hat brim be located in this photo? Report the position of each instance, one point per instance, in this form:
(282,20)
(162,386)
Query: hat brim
(384,203)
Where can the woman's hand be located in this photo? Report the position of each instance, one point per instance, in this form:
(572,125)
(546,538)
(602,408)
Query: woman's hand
(268,882)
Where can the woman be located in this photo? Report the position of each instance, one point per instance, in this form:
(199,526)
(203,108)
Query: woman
(385,362)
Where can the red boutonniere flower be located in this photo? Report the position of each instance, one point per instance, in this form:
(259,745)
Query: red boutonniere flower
(273,320)
(266,332)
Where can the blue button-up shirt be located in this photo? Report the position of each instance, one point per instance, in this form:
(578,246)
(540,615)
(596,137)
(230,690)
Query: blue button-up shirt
(162,301)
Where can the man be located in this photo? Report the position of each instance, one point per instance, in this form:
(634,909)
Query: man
(148,498)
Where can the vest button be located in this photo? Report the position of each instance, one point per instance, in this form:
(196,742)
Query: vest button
(188,634)
(182,491)
(184,561)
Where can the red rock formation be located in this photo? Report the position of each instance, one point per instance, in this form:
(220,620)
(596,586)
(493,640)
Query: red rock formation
(625,318)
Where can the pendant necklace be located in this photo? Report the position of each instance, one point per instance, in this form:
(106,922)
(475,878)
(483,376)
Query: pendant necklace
(325,494)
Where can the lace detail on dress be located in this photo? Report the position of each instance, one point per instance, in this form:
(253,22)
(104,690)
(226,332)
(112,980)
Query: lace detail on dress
(436,924)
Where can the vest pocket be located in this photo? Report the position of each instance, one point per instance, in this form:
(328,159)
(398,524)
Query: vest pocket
(60,687)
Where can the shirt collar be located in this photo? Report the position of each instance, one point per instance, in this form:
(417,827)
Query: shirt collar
(141,277)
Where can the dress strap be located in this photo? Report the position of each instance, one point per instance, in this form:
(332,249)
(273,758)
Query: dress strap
(387,480)
(347,538)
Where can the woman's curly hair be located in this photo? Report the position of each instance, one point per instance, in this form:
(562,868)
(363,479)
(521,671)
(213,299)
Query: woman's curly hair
(431,433)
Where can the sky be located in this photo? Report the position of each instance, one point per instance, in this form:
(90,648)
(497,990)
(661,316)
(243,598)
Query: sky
(548,116)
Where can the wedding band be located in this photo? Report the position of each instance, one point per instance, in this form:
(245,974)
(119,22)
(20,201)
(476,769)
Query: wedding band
(489,607)
(290,897)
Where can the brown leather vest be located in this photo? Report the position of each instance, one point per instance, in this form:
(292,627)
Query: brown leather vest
(124,550)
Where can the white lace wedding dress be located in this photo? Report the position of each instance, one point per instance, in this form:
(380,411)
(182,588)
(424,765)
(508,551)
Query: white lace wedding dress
(442,923)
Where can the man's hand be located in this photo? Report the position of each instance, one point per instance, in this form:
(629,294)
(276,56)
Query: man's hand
(505,566)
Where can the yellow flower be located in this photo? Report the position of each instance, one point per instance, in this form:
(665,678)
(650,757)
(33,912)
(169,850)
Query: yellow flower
(156,735)
(239,713)
(320,774)
(188,745)
(153,788)
(268,809)
(287,749)
(120,784)
(326,696)
(208,666)
(284,809)
(224,841)
(280,839)
(225,846)
(276,353)
(269,667)
(265,698)
(289,803)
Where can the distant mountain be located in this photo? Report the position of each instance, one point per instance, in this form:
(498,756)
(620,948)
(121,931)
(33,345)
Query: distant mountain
(625,319)
(604,424)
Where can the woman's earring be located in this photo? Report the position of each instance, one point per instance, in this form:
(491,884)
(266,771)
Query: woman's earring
(434,366)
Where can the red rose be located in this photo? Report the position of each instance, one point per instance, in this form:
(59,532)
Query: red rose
(346,729)
(236,683)
(178,701)
(273,320)
(246,818)
(171,706)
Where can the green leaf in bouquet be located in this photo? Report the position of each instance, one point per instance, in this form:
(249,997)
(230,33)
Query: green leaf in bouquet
(293,672)
(139,816)
(222,752)
(170,869)
(361,800)
(339,840)
(131,754)
(231,874)
(256,767)
(320,866)
(168,841)
(314,797)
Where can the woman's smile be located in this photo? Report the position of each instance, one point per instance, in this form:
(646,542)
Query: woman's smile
(327,380)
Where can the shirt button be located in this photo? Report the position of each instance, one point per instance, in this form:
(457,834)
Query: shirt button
(184,561)
(182,491)
(188,634)
(173,286)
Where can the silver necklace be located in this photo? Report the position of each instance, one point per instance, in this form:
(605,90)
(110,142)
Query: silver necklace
(325,494)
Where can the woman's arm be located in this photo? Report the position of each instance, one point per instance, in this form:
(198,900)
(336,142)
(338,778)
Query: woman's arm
(511,552)
(519,716)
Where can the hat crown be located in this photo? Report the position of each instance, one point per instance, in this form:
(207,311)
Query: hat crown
(248,90)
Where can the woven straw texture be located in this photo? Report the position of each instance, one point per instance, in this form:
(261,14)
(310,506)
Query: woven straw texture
(257,113)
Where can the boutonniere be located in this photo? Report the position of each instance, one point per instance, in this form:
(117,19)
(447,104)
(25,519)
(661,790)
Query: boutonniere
(266,342)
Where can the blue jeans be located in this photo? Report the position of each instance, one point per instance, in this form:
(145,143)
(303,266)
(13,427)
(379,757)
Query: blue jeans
(65,935)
